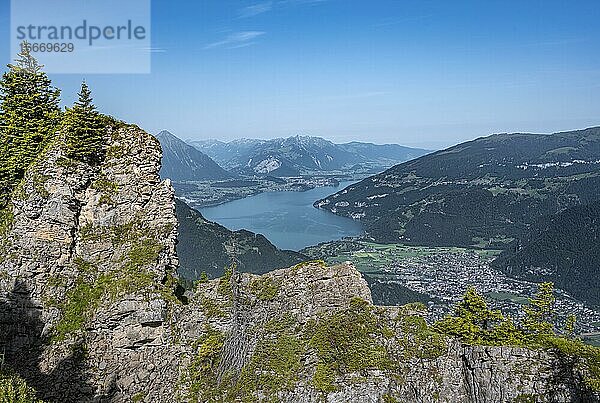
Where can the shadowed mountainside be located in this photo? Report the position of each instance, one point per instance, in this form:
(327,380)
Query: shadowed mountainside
(205,246)
(563,248)
(182,162)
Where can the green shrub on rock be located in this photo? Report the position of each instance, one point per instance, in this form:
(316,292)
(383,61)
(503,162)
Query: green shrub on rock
(474,323)
(13,389)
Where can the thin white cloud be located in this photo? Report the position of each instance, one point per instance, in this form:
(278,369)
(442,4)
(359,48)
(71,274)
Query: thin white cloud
(241,45)
(155,50)
(255,9)
(266,6)
(294,2)
(236,40)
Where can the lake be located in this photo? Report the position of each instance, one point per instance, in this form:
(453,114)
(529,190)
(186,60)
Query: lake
(287,219)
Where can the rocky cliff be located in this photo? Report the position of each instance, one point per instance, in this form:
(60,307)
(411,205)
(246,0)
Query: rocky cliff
(87,271)
(89,311)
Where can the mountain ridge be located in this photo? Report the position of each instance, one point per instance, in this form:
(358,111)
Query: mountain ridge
(182,162)
(301,155)
(92,310)
(486,191)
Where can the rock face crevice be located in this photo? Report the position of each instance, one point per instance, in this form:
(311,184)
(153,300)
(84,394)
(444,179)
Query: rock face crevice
(88,311)
(238,344)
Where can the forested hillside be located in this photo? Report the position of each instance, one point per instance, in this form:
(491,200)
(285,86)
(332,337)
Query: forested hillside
(563,248)
(208,247)
(484,192)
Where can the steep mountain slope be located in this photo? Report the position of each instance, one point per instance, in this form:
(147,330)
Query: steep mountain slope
(563,248)
(182,162)
(220,247)
(302,154)
(90,311)
(484,192)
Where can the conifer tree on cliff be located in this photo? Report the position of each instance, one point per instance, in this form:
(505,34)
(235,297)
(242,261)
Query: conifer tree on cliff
(29,117)
(84,129)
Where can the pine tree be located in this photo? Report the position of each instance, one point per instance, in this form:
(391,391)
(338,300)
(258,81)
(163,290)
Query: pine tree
(569,330)
(473,322)
(29,116)
(540,313)
(506,333)
(474,309)
(85,129)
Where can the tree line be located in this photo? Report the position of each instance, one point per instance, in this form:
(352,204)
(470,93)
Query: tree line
(31,119)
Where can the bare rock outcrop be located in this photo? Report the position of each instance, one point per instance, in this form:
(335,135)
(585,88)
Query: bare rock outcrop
(90,311)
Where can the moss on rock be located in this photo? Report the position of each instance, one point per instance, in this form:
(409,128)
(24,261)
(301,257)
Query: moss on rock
(92,287)
(200,377)
(347,341)
(264,288)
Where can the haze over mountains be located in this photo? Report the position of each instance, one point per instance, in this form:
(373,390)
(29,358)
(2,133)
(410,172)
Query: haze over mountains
(283,157)
(182,162)
(300,155)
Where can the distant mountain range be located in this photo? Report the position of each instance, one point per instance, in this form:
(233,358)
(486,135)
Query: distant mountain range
(182,162)
(486,192)
(205,246)
(563,248)
(303,155)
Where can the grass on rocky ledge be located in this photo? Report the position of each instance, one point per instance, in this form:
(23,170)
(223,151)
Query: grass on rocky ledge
(264,288)
(276,363)
(319,262)
(352,340)
(6,219)
(121,234)
(362,338)
(6,222)
(107,188)
(347,342)
(92,288)
(225,284)
(274,367)
(200,376)
(212,308)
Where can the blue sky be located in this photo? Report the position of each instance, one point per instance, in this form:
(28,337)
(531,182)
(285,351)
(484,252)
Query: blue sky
(415,72)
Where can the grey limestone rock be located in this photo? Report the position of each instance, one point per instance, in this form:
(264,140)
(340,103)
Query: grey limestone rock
(88,311)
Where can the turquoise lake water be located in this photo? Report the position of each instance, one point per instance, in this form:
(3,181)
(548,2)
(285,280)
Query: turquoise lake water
(287,219)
